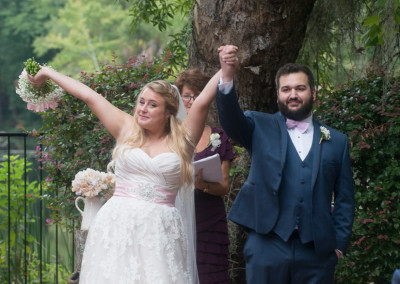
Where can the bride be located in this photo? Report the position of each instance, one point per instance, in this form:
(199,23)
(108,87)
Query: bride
(139,235)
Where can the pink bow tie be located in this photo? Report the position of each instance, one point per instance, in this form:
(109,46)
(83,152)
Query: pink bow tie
(301,125)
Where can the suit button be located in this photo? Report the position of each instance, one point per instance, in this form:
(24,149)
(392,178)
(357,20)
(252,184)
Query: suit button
(274,192)
(302,181)
(303,165)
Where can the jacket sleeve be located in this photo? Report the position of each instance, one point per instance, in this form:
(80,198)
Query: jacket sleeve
(236,124)
(343,214)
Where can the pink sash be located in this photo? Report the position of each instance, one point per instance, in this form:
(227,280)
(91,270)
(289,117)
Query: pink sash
(145,191)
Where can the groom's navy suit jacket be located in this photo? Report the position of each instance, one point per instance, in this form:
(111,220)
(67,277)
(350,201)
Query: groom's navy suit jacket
(266,138)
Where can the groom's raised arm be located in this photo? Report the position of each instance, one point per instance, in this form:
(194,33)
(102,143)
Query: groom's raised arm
(238,126)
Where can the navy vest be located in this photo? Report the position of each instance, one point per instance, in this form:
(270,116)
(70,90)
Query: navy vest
(295,196)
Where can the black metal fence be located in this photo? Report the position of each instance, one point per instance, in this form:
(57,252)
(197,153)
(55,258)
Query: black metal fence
(31,250)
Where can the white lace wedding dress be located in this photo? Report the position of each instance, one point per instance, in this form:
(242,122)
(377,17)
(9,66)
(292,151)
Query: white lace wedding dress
(138,236)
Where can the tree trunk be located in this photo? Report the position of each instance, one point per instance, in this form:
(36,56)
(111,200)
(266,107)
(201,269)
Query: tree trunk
(268,33)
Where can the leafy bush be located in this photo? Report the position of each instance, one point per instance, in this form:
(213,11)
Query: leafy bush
(49,271)
(17,217)
(74,139)
(368,111)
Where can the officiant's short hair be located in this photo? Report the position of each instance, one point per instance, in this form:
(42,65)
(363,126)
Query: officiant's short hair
(194,79)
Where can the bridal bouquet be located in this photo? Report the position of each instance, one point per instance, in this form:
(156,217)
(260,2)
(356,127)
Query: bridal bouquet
(92,183)
(39,99)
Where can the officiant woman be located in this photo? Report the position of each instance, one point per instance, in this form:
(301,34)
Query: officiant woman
(211,223)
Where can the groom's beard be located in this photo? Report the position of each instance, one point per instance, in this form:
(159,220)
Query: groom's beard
(299,114)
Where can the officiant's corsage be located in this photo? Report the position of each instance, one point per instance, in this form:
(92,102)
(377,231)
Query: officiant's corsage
(39,99)
(324,133)
(215,141)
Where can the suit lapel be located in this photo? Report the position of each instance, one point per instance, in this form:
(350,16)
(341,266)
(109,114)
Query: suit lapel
(316,148)
(284,137)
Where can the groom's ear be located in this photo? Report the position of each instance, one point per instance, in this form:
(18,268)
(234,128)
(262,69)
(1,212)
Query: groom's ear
(314,94)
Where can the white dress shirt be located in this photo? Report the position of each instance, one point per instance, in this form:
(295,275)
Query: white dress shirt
(302,141)
(225,87)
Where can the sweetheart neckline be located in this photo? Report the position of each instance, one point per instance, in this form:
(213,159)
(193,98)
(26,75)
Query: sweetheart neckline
(152,158)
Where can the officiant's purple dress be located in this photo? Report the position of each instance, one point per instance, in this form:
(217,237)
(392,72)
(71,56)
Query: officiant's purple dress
(211,224)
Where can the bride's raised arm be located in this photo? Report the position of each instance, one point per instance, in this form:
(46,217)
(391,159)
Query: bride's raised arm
(113,119)
(197,115)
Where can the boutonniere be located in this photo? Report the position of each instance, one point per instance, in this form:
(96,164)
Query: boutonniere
(215,141)
(324,133)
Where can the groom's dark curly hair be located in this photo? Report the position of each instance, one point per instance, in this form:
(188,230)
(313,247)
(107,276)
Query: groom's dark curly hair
(290,68)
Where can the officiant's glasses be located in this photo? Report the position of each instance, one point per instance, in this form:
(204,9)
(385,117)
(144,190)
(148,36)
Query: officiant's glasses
(187,97)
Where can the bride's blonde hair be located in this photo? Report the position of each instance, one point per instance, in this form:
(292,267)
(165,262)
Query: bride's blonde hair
(178,137)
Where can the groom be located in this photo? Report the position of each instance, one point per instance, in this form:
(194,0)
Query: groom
(285,204)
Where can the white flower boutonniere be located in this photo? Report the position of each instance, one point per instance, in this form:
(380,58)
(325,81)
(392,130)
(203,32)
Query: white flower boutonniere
(215,141)
(324,133)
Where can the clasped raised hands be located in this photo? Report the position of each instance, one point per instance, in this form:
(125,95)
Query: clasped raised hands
(229,61)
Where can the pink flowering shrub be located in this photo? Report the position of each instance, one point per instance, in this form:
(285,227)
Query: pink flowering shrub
(368,111)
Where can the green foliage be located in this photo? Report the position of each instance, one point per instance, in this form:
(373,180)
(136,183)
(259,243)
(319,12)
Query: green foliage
(74,139)
(166,15)
(49,271)
(346,35)
(21,21)
(177,49)
(240,167)
(377,23)
(17,217)
(373,36)
(368,110)
(84,39)
(158,12)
